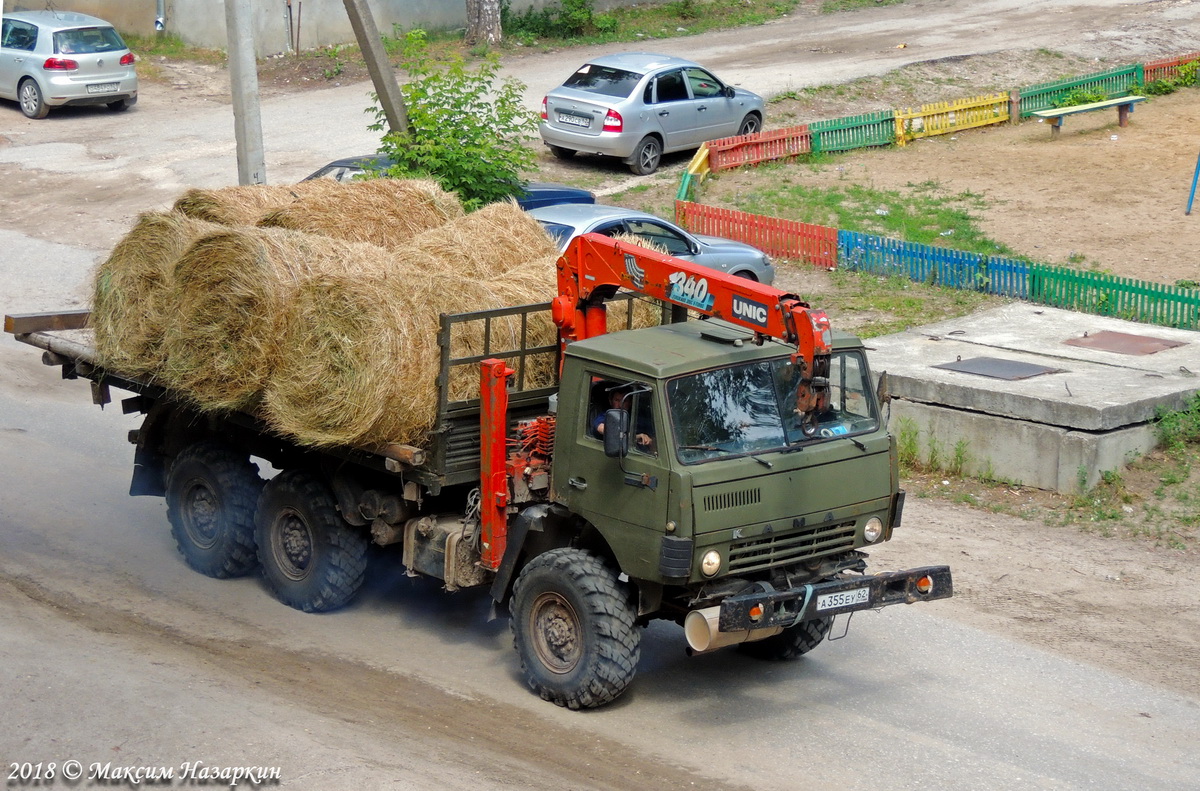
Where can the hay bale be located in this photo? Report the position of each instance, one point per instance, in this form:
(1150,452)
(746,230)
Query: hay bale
(359,356)
(232,291)
(246,205)
(486,243)
(382,211)
(131,295)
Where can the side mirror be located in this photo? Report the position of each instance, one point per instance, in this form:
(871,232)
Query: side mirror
(727,92)
(616,433)
(883,392)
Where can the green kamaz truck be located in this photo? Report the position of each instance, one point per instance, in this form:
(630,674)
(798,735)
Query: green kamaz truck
(724,471)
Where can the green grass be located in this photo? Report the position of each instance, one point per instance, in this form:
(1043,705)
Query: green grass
(923,213)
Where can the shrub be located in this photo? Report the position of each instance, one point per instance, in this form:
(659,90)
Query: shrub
(465,130)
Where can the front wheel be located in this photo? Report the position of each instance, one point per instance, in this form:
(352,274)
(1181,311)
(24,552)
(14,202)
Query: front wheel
(211,493)
(311,558)
(32,102)
(646,156)
(573,628)
(792,643)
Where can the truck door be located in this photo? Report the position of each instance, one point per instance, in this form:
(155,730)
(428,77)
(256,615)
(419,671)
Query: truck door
(630,493)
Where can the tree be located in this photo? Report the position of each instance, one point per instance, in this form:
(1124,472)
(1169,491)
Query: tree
(466,129)
(483,23)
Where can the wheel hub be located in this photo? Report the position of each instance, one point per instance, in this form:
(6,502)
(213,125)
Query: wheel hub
(201,515)
(293,545)
(556,633)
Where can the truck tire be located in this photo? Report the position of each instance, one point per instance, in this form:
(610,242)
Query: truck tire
(573,628)
(211,493)
(311,558)
(792,643)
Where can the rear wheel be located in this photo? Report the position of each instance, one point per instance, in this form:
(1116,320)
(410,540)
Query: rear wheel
(573,628)
(562,153)
(312,559)
(792,643)
(646,156)
(750,124)
(30,97)
(211,494)
(121,105)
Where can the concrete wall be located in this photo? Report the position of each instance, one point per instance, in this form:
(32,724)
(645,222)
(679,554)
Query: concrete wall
(321,22)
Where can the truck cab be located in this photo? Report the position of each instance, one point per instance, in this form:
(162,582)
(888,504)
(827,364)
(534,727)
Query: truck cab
(733,483)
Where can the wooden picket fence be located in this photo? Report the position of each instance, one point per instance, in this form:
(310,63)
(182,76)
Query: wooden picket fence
(940,118)
(1122,297)
(829,248)
(798,241)
(734,152)
(1166,68)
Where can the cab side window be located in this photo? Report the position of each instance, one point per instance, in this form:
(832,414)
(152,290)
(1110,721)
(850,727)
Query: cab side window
(634,398)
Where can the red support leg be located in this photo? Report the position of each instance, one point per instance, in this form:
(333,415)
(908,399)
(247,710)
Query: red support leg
(493,457)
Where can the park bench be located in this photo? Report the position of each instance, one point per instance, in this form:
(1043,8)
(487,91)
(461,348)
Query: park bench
(1055,115)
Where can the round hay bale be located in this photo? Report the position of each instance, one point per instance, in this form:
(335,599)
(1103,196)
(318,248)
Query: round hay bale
(486,243)
(247,204)
(131,294)
(231,292)
(353,350)
(385,212)
(359,356)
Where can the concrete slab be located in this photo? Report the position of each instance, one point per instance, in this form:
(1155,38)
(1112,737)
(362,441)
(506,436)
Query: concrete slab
(1054,430)
(1097,390)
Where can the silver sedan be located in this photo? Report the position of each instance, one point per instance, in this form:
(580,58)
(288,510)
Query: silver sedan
(55,58)
(637,106)
(566,221)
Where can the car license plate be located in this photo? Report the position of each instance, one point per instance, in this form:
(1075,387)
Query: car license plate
(102,87)
(574,120)
(829,601)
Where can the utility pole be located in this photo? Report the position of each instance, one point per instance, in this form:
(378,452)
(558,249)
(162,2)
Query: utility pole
(243,79)
(377,65)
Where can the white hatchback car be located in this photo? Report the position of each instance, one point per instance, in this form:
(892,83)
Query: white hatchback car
(56,58)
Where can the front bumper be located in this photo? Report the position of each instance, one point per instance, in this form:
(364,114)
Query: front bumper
(767,607)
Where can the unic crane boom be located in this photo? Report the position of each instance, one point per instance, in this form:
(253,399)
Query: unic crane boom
(595,267)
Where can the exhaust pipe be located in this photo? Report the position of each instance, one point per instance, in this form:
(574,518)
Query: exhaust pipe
(700,629)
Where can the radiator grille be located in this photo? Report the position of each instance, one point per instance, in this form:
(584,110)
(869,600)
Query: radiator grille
(784,548)
(725,500)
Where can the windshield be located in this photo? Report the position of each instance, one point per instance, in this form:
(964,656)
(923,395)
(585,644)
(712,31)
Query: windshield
(603,80)
(746,409)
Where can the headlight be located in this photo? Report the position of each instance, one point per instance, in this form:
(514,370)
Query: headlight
(873,530)
(710,564)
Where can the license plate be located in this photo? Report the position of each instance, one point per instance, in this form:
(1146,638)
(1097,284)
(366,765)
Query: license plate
(574,120)
(829,601)
(102,87)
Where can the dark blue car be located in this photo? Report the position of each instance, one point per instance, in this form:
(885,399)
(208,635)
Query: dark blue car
(533,194)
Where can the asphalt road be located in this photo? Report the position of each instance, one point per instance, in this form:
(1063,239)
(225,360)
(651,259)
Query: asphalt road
(115,653)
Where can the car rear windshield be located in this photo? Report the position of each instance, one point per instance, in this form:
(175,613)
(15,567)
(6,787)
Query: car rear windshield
(87,40)
(603,80)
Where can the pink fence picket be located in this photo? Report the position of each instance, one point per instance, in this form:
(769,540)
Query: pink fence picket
(732,152)
(812,244)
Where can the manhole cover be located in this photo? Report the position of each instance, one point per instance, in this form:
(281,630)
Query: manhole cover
(996,368)
(1123,343)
